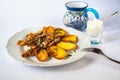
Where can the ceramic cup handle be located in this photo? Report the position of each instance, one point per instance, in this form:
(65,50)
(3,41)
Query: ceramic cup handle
(93,11)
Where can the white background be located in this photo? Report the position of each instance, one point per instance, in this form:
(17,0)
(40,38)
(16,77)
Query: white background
(16,15)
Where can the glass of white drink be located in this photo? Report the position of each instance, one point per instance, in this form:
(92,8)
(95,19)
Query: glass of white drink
(94,30)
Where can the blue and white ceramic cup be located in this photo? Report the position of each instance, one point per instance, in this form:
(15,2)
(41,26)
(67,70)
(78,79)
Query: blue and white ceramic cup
(76,15)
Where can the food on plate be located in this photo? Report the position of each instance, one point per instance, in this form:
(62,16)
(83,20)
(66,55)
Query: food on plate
(59,32)
(28,37)
(42,55)
(67,45)
(48,42)
(57,52)
(48,29)
(70,38)
(32,51)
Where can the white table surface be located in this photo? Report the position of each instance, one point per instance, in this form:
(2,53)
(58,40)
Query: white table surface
(16,15)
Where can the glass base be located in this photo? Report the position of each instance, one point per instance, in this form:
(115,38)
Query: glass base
(94,42)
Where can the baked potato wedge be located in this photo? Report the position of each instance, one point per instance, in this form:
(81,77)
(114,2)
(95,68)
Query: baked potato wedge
(70,38)
(48,29)
(67,45)
(60,32)
(42,55)
(57,52)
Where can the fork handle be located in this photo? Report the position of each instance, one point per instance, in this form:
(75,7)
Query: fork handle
(111,59)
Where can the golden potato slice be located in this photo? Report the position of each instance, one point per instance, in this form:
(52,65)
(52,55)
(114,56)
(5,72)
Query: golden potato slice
(42,55)
(70,38)
(59,32)
(57,52)
(67,45)
(48,29)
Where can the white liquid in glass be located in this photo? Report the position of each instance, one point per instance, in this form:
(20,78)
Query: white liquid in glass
(94,30)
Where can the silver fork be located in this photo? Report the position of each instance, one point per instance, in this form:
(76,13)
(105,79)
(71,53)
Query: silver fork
(99,51)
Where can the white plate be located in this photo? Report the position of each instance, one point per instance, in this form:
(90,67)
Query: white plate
(15,51)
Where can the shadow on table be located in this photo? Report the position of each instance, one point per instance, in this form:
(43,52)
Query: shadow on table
(82,63)
(112,36)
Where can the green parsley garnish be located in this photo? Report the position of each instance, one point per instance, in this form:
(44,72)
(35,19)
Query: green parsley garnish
(74,50)
(30,50)
(56,49)
(69,55)
(39,41)
(42,51)
(59,31)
